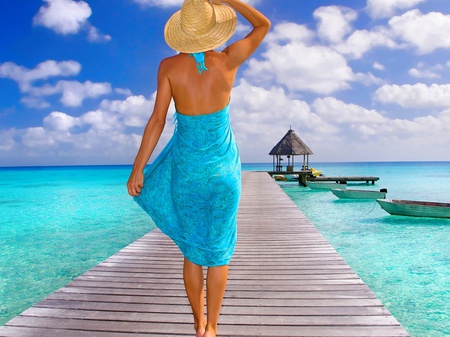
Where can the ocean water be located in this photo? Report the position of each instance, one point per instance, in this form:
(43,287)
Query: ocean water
(404,260)
(56,223)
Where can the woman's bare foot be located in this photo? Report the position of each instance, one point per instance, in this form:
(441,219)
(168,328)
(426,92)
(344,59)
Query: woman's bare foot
(200,332)
(210,331)
(200,329)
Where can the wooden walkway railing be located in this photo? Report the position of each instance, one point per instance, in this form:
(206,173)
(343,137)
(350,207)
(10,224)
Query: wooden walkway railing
(285,280)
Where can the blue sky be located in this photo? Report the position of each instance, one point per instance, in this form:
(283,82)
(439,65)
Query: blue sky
(357,80)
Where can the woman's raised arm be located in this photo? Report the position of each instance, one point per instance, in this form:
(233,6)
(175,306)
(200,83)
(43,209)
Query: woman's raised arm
(242,49)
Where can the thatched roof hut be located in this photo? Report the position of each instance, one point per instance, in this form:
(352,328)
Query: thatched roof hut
(290,145)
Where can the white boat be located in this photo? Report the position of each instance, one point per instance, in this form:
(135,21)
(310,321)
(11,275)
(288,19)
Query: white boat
(342,193)
(416,208)
(292,177)
(286,177)
(322,185)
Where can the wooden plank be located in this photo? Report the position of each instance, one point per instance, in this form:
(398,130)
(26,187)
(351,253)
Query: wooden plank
(285,280)
(226,310)
(254,328)
(164,317)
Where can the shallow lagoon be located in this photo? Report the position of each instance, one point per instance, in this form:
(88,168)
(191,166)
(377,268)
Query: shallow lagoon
(56,223)
(404,260)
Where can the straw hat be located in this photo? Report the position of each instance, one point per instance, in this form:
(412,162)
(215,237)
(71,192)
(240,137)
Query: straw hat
(200,26)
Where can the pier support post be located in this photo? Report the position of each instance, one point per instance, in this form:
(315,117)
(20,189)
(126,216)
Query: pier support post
(302,179)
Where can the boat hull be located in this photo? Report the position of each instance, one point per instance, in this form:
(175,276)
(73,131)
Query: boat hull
(358,194)
(416,208)
(324,185)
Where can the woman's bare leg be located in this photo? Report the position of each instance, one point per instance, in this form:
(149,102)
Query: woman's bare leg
(216,282)
(194,282)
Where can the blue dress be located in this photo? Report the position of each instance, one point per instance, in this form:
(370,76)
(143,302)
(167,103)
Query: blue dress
(192,189)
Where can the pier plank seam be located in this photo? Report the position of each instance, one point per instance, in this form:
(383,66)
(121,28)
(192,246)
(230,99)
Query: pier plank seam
(285,280)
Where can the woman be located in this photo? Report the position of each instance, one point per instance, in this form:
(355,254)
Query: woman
(192,189)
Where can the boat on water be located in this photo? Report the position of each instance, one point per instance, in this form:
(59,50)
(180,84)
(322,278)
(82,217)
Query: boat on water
(292,177)
(343,193)
(416,208)
(286,177)
(314,172)
(323,185)
(279,177)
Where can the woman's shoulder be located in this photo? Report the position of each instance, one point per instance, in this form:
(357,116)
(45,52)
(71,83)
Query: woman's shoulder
(173,62)
(174,59)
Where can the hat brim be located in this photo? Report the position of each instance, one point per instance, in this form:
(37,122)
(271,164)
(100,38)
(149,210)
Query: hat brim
(181,41)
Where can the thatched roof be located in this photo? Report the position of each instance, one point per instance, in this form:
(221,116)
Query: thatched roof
(290,144)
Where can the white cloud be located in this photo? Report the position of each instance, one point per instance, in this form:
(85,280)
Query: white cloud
(101,120)
(104,135)
(135,110)
(37,137)
(361,41)
(292,61)
(288,32)
(422,71)
(333,129)
(378,66)
(415,96)
(34,102)
(339,112)
(24,77)
(7,141)
(334,22)
(63,16)
(388,139)
(387,8)
(260,117)
(123,91)
(368,79)
(68,17)
(424,32)
(94,35)
(60,121)
(300,68)
(73,92)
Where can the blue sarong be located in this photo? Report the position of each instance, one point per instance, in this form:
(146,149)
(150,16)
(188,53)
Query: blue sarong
(192,189)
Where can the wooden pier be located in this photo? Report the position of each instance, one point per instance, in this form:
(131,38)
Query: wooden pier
(306,175)
(302,175)
(285,280)
(345,179)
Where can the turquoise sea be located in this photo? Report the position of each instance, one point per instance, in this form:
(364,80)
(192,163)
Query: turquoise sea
(58,222)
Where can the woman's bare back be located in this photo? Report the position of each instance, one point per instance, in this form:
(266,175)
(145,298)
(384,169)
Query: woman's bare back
(199,94)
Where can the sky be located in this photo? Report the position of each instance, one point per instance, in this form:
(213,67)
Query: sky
(358,80)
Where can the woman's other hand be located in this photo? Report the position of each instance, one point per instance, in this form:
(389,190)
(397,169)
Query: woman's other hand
(135,183)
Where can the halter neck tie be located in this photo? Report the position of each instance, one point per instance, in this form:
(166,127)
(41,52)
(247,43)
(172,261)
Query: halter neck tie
(199,61)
